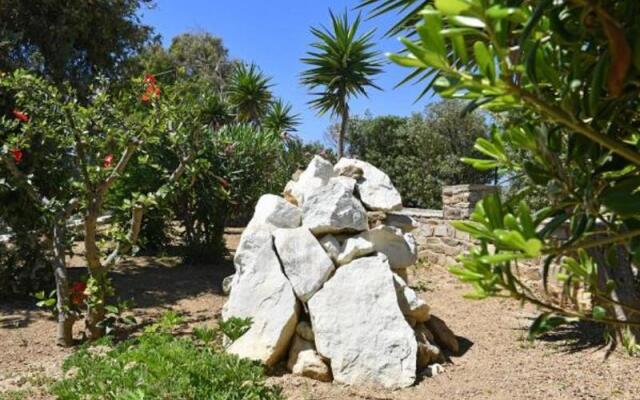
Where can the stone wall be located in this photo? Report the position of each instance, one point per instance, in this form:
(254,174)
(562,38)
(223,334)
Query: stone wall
(439,242)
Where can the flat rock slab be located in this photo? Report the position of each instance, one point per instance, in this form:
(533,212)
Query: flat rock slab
(265,295)
(359,326)
(375,188)
(304,260)
(332,209)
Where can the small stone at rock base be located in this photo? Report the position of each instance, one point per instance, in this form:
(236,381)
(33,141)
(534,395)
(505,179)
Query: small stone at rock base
(305,331)
(331,245)
(434,370)
(376,218)
(305,361)
(428,354)
(411,305)
(227,284)
(423,335)
(442,334)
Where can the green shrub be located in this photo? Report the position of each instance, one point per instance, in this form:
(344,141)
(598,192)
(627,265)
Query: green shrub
(160,366)
(421,153)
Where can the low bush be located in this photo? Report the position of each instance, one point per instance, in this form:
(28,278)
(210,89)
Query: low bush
(158,365)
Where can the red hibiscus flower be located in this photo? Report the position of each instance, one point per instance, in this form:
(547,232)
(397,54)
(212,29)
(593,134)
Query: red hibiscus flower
(152,90)
(17,155)
(77,295)
(78,287)
(149,78)
(20,115)
(108,160)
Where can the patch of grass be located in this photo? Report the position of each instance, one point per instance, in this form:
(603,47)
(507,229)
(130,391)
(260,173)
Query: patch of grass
(19,394)
(158,365)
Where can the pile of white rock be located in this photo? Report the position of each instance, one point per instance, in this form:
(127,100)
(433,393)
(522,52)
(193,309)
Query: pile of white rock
(321,273)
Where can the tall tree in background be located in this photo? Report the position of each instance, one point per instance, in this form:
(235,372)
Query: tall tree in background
(341,66)
(71,40)
(249,92)
(200,55)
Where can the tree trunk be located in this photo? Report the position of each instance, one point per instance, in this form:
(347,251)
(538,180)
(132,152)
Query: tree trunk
(65,318)
(95,310)
(343,131)
(619,270)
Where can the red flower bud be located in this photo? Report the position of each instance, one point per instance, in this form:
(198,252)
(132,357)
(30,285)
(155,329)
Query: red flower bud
(223,183)
(20,115)
(17,155)
(78,287)
(150,78)
(108,159)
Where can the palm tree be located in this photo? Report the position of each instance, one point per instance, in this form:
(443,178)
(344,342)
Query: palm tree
(342,66)
(280,118)
(249,93)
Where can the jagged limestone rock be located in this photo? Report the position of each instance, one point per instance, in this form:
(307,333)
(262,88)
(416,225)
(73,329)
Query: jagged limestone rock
(359,326)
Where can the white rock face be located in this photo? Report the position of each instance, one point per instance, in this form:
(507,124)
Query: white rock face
(305,263)
(332,209)
(331,245)
(317,174)
(401,249)
(358,325)
(354,247)
(265,295)
(271,212)
(305,361)
(348,182)
(411,305)
(374,188)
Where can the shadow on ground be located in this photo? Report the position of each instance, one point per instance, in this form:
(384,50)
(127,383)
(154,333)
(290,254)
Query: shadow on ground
(577,336)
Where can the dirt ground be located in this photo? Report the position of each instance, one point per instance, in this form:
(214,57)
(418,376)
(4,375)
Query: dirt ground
(497,362)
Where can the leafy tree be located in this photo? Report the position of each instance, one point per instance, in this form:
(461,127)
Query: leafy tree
(93,145)
(249,93)
(201,56)
(280,118)
(59,39)
(422,153)
(342,65)
(570,70)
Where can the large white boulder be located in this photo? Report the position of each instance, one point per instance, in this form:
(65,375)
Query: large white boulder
(304,261)
(332,209)
(271,212)
(374,187)
(331,245)
(359,326)
(265,295)
(317,174)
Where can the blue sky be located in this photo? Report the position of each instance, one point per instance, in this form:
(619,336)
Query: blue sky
(275,35)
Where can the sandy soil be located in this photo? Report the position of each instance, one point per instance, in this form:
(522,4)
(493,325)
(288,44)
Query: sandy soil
(497,362)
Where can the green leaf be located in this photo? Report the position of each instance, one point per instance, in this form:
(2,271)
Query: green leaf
(479,164)
(624,197)
(452,7)
(470,22)
(429,32)
(498,12)
(545,323)
(484,60)
(460,48)
(598,312)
